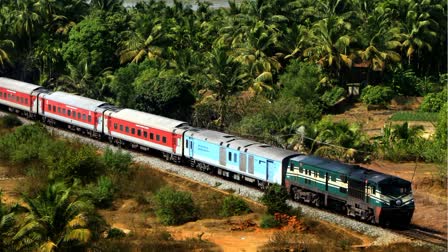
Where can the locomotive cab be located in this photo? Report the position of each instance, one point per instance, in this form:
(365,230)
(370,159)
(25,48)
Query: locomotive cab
(397,201)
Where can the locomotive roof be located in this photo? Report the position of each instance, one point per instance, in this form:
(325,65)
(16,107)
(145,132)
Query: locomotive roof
(327,164)
(363,174)
(75,100)
(243,145)
(147,119)
(17,85)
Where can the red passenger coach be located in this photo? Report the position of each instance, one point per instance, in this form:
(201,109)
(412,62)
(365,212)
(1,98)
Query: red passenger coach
(17,94)
(147,130)
(76,111)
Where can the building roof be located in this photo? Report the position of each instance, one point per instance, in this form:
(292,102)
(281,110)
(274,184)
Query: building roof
(75,100)
(16,85)
(148,120)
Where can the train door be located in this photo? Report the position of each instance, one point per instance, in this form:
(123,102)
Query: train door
(270,171)
(326,181)
(222,156)
(190,148)
(243,162)
(99,125)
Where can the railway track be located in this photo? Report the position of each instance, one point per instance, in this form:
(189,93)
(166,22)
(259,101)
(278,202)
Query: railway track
(417,233)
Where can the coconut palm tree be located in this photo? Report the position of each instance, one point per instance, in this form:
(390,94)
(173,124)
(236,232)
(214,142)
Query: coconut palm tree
(57,218)
(26,19)
(4,57)
(225,77)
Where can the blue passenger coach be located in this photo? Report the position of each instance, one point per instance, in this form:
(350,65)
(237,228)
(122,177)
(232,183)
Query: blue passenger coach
(236,158)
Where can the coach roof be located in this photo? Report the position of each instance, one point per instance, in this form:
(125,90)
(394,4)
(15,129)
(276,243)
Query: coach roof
(327,164)
(15,85)
(75,100)
(269,152)
(210,136)
(148,120)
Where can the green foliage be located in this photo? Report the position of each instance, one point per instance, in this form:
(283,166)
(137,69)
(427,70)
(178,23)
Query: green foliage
(330,97)
(414,116)
(301,80)
(165,95)
(115,233)
(275,197)
(101,193)
(117,162)
(233,205)
(269,221)
(9,121)
(174,207)
(339,140)
(276,122)
(376,95)
(56,217)
(401,142)
(433,102)
(441,129)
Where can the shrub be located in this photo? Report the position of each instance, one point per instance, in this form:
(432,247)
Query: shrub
(332,96)
(115,233)
(234,205)
(269,221)
(9,121)
(102,192)
(433,102)
(174,207)
(275,198)
(117,162)
(376,95)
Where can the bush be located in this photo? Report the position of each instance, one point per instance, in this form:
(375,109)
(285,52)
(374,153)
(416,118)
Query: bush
(9,121)
(101,193)
(174,207)
(433,102)
(332,96)
(117,162)
(269,221)
(234,205)
(376,95)
(275,198)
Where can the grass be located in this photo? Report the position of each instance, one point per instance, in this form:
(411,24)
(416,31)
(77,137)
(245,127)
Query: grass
(414,116)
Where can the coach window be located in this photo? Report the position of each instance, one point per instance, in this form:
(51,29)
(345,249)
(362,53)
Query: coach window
(89,118)
(157,138)
(74,114)
(139,132)
(343,178)
(300,169)
(49,107)
(63,111)
(21,99)
(321,174)
(59,109)
(115,126)
(79,116)
(127,129)
(17,99)
(121,127)
(145,134)
(333,178)
(151,136)
(164,139)
(84,117)
(69,112)
(132,131)
(186,144)
(230,156)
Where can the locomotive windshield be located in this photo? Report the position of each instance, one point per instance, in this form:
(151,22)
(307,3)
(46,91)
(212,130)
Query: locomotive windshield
(395,190)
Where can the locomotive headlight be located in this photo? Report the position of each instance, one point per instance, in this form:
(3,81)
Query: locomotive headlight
(398,202)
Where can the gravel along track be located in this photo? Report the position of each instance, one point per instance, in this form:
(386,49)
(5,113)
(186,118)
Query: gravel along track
(383,236)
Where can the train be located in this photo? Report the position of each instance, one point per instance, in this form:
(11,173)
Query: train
(355,191)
